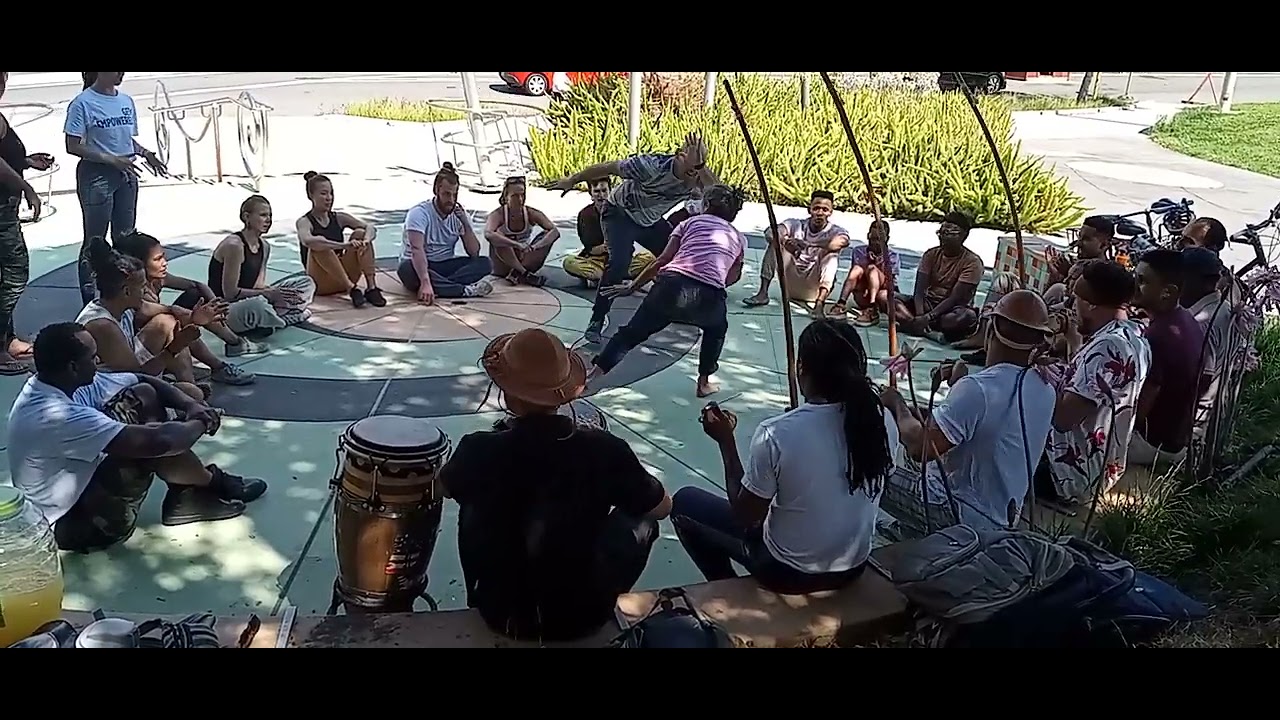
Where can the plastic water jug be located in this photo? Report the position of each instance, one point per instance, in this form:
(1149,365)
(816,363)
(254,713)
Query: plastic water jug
(31,585)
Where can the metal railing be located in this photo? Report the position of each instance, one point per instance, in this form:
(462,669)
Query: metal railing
(505,156)
(252,130)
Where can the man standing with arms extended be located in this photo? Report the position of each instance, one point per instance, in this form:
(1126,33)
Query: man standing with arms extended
(635,212)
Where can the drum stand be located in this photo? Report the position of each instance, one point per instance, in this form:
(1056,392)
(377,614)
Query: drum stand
(373,607)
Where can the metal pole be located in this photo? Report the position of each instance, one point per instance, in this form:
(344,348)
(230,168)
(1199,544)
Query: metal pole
(1228,89)
(633,112)
(472,97)
(804,91)
(1127,82)
(709,90)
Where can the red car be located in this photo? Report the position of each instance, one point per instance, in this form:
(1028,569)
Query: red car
(539,83)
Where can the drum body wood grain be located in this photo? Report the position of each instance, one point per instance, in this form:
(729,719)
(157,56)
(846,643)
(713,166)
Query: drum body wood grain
(387,512)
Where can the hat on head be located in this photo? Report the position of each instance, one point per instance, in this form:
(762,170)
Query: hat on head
(534,366)
(1201,262)
(1024,308)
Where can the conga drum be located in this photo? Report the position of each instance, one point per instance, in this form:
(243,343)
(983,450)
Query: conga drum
(387,512)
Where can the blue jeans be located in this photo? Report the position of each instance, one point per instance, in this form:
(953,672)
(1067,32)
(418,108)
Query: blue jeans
(673,298)
(108,199)
(714,539)
(448,277)
(621,235)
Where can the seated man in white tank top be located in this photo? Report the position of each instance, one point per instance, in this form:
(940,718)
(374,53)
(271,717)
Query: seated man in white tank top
(516,253)
(810,255)
(428,267)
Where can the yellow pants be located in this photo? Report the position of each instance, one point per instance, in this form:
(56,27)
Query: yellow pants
(334,273)
(591,268)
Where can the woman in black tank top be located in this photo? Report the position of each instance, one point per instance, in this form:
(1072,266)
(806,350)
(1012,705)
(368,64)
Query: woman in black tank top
(336,263)
(237,273)
(15,267)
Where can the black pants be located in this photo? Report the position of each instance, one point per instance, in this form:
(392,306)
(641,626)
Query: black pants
(621,235)
(680,299)
(15,267)
(620,558)
(714,540)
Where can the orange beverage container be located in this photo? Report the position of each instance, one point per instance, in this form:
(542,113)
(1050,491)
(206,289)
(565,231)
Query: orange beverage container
(31,584)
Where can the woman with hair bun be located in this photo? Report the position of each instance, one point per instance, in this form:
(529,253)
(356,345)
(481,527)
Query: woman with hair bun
(102,129)
(516,252)
(335,262)
(801,515)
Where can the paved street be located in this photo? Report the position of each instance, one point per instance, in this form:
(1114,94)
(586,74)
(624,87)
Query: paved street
(290,94)
(1164,87)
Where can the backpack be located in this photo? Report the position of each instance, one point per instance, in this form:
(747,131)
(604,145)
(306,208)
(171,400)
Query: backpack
(1103,601)
(1014,589)
(670,626)
(963,575)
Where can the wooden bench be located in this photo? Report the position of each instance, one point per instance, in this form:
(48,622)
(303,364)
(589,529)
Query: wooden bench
(868,609)
(443,629)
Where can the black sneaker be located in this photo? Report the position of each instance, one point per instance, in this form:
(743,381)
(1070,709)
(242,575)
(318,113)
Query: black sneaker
(375,297)
(235,487)
(357,297)
(185,505)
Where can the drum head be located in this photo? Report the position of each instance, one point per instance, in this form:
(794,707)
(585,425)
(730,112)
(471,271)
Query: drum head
(396,435)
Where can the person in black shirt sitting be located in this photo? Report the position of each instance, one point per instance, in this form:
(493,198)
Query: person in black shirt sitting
(588,265)
(555,521)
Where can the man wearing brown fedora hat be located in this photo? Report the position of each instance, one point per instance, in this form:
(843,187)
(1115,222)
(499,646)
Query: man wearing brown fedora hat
(990,431)
(555,521)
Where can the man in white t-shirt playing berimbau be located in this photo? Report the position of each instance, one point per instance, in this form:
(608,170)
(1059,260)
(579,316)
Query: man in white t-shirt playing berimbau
(84,446)
(991,429)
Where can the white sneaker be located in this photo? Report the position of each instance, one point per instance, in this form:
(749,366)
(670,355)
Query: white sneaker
(479,288)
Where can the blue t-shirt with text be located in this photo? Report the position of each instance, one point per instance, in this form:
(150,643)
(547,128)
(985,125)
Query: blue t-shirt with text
(106,123)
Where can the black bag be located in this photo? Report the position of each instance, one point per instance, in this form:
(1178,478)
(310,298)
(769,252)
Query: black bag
(673,626)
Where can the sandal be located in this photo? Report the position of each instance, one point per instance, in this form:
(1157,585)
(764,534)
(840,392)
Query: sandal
(14,367)
(838,310)
(755,302)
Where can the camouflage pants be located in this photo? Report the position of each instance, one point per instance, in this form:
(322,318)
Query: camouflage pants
(14,266)
(107,511)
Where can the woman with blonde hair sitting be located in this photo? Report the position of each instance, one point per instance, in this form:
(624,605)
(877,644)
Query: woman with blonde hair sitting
(516,253)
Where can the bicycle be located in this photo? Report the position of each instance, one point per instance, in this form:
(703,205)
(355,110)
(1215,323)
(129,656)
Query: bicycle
(1165,221)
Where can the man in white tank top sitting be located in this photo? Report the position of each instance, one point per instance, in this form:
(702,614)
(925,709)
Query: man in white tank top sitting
(428,267)
(810,255)
(986,438)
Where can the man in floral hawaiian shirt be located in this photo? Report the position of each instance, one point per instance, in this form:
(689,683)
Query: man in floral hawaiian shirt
(1098,394)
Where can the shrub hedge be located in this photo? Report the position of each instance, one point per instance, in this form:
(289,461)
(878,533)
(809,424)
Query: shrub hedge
(925,150)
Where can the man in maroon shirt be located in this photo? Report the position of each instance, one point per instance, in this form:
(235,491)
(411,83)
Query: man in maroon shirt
(1167,401)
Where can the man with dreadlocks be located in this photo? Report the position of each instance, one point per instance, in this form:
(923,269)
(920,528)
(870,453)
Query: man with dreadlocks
(801,515)
(703,257)
(989,433)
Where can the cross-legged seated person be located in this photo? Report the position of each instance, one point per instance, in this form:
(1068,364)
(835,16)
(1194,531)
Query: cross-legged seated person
(589,264)
(428,267)
(810,255)
(1093,419)
(703,257)
(238,274)
(946,281)
(869,276)
(150,252)
(989,432)
(336,263)
(124,344)
(1166,405)
(85,445)
(635,213)
(516,253)
(554,521)
(801,515)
